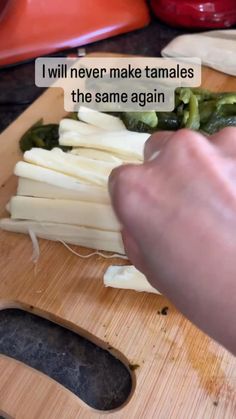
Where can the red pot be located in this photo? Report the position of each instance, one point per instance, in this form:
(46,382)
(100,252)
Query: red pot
(196,13)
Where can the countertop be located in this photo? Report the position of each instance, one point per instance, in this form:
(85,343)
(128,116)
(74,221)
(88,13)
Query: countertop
(90,372)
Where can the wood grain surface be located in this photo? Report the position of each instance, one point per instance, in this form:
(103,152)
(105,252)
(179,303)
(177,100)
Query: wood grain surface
(182,373)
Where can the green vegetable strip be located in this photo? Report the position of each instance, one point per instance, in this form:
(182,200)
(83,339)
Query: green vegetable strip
(168,121)
(147,118)
(227,98)
(197,109)
(193,121)
(42,136)
(217,122)
(206,109)
(185,95)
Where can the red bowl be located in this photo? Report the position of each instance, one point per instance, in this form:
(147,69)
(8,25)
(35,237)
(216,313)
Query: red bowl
(2,5)
(196,14)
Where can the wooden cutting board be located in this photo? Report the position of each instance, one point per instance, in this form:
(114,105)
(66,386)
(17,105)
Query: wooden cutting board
(182,373)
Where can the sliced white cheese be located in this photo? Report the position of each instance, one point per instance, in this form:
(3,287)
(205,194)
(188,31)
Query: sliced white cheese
(83,192)
(94,154)
(87,214)
(100,119)
(42,174)
(82,168)
(125,143)
(127,277)
(102,155)
(95,239)
(77,126)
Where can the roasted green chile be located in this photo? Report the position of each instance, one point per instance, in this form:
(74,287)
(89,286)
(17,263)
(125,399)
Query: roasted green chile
(42,136)
(197,109)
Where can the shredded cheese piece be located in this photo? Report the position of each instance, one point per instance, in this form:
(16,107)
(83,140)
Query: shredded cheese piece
(96,253)
(35,244)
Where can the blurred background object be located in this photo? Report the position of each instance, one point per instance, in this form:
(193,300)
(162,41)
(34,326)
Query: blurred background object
(32,28)
(196,14)
(216,49)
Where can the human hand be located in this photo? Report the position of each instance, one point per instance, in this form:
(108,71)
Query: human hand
(178,212)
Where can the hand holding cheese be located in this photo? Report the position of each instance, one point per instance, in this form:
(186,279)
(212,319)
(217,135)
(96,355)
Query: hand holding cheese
(178,212)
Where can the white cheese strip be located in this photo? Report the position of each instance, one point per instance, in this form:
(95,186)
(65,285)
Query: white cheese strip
(42,174)
(77,126)
(87,214)
(95,154)
(125,143)
(82,168)
(100,119)
(84,192)
(95,239)
(127,277)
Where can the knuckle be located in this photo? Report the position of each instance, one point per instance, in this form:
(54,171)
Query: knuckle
(187,137)
(186,142)
(187,149)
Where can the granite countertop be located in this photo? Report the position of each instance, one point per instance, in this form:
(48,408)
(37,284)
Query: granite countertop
(90,372)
